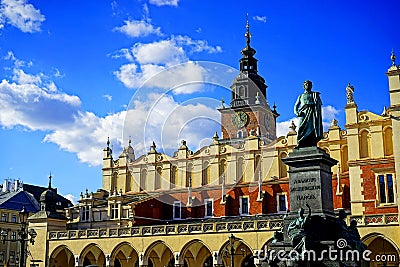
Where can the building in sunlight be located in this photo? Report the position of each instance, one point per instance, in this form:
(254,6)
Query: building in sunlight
(181,209)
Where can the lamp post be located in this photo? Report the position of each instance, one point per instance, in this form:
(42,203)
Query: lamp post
(24,235)
(232,240)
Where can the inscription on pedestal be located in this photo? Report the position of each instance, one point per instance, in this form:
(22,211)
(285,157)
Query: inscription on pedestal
(310,179)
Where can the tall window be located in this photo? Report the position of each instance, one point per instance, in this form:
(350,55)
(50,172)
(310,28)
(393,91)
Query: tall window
(14,218)
(4,217)
(282,166)
(386,190)
(239,170)
(189,173)
(388,141)
(281,201)
(244,205)
(208,207)
(344,156)
(128,181)
(14,235)
(205,179)
(114,211)
(240,134)
(364,144)
(85,213)
(157,182)
(177,210)
(173,175)
(257,166)
(143,177)
(222,170)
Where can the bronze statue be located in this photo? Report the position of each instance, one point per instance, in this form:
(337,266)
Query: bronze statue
(308,109)
(296,230)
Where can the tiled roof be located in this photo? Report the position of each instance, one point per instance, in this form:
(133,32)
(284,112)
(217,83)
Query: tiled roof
(16,200)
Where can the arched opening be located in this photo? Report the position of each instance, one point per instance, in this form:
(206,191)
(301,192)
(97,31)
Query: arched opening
(205,178)
(124,255)
(242,254)
(159,254)
(283,168)
(248,261)
(222,170)
(93,255)
(143,177)
(239,170)
(365,146)
(196,253)
(157,182)
(388,141)
(344,158)
(62,256)
(382,248)
(173,175)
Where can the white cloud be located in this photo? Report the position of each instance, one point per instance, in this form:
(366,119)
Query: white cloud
(165,52)
(71,198)
(87,135)
(163,120)
(164,2)
(260,18)
(108,97)
(22,15)
(27,98)
(329,113)
(282,128)
(138,28)
(147,60)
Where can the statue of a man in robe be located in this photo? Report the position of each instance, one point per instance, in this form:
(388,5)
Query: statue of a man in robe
(308,109)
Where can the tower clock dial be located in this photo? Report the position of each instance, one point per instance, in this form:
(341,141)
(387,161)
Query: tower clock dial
(240,119)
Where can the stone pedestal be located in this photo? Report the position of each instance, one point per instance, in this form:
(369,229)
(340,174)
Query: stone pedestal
(310,180)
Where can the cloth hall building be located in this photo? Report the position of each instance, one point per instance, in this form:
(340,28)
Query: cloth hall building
(181,209)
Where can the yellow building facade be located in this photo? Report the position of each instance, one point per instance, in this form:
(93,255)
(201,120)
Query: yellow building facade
(179,210)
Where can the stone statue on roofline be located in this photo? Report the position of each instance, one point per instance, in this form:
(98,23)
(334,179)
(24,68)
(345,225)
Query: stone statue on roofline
(308,108)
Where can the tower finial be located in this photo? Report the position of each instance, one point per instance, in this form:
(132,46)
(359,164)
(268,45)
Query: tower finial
(393,58)
(50,180)
(247,34)
(108,141)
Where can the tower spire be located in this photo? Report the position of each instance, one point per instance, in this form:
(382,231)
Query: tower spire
(247,34)
(393,58)
(50,180)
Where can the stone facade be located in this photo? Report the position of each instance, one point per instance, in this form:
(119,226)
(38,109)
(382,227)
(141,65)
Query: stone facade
(178,210)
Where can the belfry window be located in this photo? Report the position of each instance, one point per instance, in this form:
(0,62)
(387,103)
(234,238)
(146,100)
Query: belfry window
(386,188)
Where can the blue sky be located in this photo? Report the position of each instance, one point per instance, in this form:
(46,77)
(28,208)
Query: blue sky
(69,69)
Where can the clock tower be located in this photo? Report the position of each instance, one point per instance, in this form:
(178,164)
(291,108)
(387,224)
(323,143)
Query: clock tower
(249,112)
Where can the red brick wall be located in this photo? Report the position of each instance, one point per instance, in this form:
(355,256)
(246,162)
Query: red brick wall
(368,177)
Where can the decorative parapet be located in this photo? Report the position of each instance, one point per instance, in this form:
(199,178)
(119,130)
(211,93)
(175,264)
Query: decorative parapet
(376,219)
(176,229)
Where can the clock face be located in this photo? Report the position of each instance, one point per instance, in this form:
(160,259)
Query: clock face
(240,119)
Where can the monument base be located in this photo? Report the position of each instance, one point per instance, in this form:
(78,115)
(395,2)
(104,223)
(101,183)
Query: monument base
(310,180)
(310,230)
